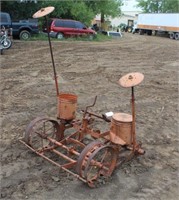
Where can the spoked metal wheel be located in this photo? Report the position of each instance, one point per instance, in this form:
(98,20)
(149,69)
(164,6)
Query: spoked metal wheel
(39,130)
(98,163)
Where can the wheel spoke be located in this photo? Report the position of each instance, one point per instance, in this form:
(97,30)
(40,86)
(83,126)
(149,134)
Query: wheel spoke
(39,130)
(98,163)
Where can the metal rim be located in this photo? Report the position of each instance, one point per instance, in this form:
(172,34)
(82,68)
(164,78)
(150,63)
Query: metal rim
(91,36)
(106,155)
(83,155)
(176,36)
(60,36)
(97,162)
(24,35)
(172,35)
(7,43)
(39,129)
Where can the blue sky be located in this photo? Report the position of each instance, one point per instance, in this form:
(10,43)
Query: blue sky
(130,5)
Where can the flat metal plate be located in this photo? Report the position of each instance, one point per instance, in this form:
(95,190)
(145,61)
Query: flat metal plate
(131,79)
(43,12)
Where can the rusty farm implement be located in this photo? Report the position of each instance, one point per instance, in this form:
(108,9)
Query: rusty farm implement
(88,154)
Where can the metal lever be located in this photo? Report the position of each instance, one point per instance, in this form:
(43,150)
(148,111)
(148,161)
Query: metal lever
(86,109)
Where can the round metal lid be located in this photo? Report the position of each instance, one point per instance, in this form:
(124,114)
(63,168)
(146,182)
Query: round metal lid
(122,117)
(131,79)
(43,12)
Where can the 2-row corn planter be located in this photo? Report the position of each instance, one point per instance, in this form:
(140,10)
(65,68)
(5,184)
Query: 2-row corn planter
(72,145)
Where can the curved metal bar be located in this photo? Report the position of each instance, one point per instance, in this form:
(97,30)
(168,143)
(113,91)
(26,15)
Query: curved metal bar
(86,109)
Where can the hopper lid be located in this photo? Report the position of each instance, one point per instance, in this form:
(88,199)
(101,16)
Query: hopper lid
(122,117)
(43,12)
(131,79)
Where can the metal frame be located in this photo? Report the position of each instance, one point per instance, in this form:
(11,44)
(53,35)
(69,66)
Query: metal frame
(78,149)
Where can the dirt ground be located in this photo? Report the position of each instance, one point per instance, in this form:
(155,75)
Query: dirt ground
(91,68)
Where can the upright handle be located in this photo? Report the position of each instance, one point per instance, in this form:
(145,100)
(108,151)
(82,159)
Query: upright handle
(133,119)
(53,63)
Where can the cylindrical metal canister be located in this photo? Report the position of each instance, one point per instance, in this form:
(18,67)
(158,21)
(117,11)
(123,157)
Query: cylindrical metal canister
(121,128)
(67,104)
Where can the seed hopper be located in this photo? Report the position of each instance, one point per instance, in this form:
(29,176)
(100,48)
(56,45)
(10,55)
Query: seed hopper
(73,145)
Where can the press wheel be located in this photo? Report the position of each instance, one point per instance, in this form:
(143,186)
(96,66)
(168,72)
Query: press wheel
(84,154)
(39,129)
(98,164)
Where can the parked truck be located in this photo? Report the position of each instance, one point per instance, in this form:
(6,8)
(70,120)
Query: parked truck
(158,22)
(22,29)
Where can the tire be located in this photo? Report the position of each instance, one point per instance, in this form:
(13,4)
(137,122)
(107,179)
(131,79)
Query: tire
(172,36)
(176,36)
(7,43)
(141,32)
(91,37)
(60,36)
(129,30)
(149,32)
(24,35)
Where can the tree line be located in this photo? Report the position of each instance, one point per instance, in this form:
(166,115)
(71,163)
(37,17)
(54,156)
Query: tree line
(84,10)
(159,6)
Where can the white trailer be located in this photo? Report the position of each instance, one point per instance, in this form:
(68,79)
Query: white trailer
(158,22)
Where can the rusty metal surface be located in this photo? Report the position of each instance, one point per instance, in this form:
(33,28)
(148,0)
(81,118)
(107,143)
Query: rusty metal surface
(92,159)
(100,163)
(131,79)
(43,12)
(53,162)
(39,123)
(67,104)
(83,154)
(122,117)
(121,129)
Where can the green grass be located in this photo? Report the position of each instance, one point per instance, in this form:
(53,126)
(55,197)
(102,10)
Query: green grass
(43,37)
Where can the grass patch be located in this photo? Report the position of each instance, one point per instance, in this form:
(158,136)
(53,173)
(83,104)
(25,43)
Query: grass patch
(43,37)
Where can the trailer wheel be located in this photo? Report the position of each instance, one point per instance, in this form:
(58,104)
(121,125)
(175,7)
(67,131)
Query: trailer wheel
(141,32)
(1,51)
(129,30)
(172,36)
(149,32)
(176,36)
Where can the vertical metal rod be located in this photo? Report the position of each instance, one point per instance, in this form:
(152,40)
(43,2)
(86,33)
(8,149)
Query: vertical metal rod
(51,52)
(133,120)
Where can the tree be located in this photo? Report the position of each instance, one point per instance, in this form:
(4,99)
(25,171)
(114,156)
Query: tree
(82,10)
(159,6)
(71,9)
(105,7)
(20,10)
(85,10)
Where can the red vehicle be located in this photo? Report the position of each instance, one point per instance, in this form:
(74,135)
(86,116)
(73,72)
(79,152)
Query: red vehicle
(69,28)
